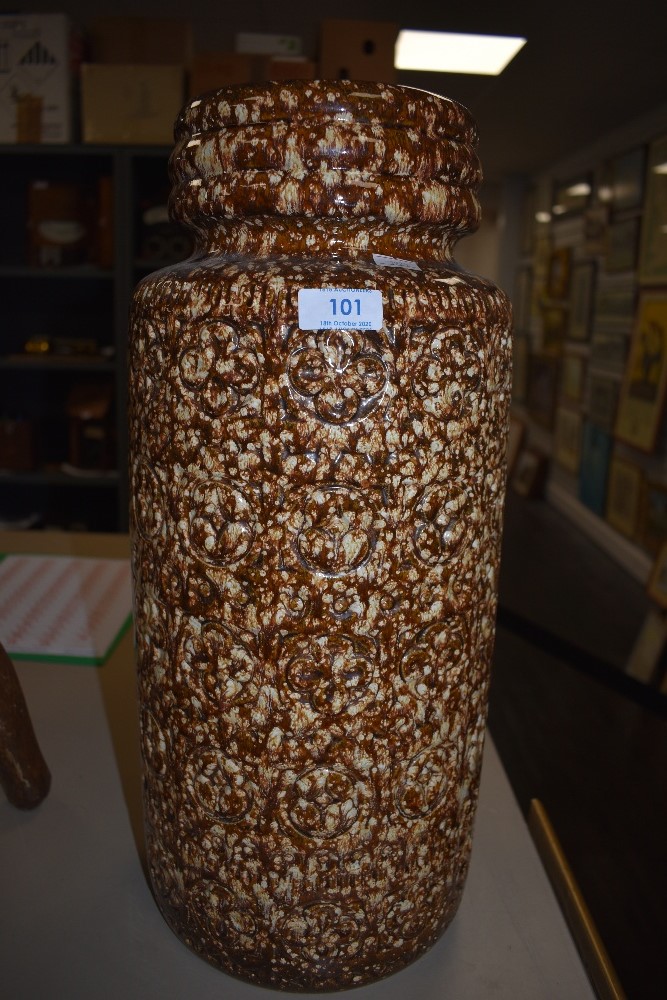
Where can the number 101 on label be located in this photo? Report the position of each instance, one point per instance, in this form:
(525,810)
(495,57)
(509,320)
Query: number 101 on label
(340,308)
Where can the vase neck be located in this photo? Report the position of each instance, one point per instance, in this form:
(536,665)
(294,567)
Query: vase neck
(359,164)
(269,236)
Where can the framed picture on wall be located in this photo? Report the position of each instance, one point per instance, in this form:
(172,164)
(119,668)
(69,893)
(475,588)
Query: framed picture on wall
(520,355)
(521,304)
(572,196)
(543,370)
(657,584)
(567,439)
(573,371)
(622,240)
(515,440)
(530,474)
(624,496)
(627,180)
(595,455)
(644,385)
(654,516)
(653,249)
(558,278)
(581,300)
(602,400)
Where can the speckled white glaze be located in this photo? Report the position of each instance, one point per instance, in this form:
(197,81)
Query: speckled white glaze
(316,523)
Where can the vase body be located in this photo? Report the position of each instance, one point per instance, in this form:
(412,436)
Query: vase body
(316,518)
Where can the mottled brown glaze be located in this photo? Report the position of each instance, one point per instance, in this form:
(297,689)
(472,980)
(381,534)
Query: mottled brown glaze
(316,523)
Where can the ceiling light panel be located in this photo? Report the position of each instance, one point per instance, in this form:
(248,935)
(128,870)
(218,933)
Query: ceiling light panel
(453,52)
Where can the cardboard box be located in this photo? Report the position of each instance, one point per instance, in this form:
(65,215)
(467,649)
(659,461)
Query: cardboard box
(281,68)
(136,40)
(358,50)
(134,104)
(252,43)
(211,70)
(35,78)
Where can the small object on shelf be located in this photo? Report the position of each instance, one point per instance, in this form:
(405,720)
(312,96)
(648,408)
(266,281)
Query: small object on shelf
(90,428)
(57,225)
(17,445)
(37,345)
(24,774)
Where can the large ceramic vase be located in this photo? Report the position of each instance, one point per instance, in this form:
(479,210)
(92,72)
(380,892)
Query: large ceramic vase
(319,405)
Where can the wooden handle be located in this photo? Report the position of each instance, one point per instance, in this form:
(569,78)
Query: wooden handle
(23,772)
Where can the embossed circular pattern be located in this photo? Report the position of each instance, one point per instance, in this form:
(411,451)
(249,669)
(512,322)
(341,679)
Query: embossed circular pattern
(324,802)
(441,523)
(445,377)
(424,779)
(218,785)
(436,651)
(330,672)
(339,374)
(221,665)
(218,370)
(334,532)
(220,522)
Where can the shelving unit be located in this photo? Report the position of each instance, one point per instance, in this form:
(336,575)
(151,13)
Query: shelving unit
(80,308)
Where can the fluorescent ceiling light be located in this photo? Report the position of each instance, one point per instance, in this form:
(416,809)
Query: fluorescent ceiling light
(448,52)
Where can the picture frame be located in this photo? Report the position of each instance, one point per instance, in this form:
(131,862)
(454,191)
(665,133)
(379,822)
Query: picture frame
(515,439)
(522,302)
(582,299)
(558,277)
(572,376)
(596,222)
(622,243)
(602,401)
(654,516)
(554,328)
(624,492)
(530,474)
(657,582)
(573,196)
(520,356)
(609,351)
(567,439)
(543,372)
(627,179)
(642,395)
(652,267)
(615,302)
(594,469)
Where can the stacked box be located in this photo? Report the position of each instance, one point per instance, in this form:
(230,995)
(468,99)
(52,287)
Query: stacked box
(134,90)
(35,78)
(358,50)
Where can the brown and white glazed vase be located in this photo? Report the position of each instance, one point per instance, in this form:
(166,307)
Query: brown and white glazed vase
(316,521)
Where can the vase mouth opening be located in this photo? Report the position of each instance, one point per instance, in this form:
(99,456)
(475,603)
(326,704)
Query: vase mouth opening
(342,150)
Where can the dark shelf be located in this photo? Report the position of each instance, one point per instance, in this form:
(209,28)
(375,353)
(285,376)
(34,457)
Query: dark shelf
(85,272)
(59,478)
(45,362)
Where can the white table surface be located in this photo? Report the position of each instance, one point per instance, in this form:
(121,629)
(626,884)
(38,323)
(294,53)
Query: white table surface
(78,922)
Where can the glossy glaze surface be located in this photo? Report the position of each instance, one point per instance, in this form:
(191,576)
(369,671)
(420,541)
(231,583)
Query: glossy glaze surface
(316,525)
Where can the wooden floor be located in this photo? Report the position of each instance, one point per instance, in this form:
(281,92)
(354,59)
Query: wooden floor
(574,732)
